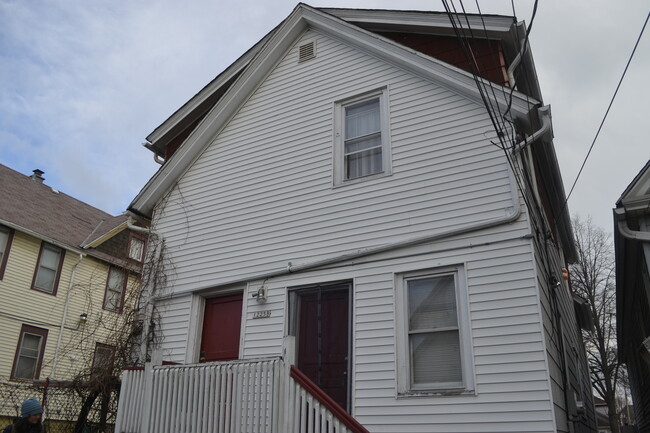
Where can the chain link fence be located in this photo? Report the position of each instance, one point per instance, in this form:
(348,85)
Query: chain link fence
(63,404)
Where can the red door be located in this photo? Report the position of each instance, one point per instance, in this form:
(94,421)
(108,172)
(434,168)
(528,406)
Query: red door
(221,327)
(323,339)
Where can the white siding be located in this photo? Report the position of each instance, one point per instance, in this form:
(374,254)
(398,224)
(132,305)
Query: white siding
(174,326)
(512,387)
(261,194)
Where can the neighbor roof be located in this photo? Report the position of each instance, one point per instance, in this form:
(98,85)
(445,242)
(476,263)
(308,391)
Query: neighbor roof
(30,206)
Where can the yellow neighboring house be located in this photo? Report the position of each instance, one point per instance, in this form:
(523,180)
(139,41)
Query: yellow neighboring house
(66,271)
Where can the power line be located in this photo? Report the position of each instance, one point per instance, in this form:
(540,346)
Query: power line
(607,112)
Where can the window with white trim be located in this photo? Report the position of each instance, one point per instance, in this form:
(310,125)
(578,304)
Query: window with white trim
(362,144)
(115,285)
(434,344)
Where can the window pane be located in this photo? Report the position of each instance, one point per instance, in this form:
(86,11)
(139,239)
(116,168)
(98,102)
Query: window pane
(31,345)
(362,119)
(28,356)
(115,279)
(137,246)
(45,279)
(4,235)
(435,357)
(363,163)
(26,368)
(113,300)
(50,258)
(432,303)
(361,144)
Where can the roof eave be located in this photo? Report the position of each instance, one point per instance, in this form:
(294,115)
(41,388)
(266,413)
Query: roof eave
(304,17)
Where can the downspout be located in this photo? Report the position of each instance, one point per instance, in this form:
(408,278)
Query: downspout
(65,315)
(516,61)
(545,114)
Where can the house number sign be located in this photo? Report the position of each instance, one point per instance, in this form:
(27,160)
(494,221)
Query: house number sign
(261,314)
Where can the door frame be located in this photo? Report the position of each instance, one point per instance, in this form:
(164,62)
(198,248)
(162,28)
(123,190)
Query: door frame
(293,317)
(197,312)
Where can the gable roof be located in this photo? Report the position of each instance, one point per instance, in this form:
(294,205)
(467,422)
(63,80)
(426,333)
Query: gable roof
(251,69)
(32,207)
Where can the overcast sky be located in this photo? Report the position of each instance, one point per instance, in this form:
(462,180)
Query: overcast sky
(82,83)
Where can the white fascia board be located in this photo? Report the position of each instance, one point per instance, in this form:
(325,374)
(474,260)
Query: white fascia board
(206,92)
(267,57)
(422,19)
(217,118)
(100,240)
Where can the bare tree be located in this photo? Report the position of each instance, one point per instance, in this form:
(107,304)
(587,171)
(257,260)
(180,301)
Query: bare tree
(593,279)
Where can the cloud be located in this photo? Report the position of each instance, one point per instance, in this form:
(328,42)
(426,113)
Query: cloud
(83,83)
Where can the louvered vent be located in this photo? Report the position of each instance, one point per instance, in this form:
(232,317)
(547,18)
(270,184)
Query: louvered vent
(306,52)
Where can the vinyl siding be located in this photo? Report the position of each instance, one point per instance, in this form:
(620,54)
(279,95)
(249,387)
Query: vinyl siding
(261,195)
(566,358)
(272,166)
(22,305)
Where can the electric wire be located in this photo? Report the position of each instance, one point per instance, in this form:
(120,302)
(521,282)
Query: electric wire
(497,126)
(620,81)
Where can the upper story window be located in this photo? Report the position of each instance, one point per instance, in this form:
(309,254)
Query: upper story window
(115,289)
(434,347)
(362,142)
(29,353)
(103,359)
(6,236)
(48,269)
(136,247)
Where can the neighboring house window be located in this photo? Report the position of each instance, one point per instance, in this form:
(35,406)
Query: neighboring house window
(6,236)
(29,353)
(48,269)
(434,351)
(115,287)
(362,147)
(103,358)
(136,247)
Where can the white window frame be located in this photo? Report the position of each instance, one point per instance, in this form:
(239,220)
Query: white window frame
(405,387)
(339,136)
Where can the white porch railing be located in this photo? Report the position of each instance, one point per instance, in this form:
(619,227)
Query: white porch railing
(261,396)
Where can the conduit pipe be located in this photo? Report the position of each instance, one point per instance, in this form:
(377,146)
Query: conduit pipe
(65,316)
(506,219)
(545,114)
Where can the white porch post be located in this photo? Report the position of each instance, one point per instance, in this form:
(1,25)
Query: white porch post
(156,359)
(288,358)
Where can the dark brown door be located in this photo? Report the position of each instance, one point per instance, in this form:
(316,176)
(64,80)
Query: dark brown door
(323,339)
(221,327)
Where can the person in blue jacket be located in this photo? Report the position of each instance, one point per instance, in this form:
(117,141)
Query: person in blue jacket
(31,412)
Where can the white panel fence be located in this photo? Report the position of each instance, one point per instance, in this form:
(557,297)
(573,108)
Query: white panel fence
(260,396)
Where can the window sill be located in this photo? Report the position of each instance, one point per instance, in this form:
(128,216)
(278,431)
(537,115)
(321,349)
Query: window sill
(436,393)
(343,183)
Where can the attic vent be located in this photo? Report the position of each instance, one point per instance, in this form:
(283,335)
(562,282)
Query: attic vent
(306,52)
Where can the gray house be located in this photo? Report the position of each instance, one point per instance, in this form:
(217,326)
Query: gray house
(364,214)
(632,241)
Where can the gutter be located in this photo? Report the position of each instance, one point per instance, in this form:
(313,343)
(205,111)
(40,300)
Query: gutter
(625,231)
(65,315)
